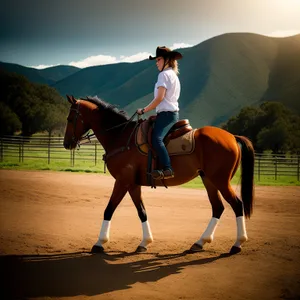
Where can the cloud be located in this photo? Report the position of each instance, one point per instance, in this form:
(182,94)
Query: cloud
(42,66)
(106,59)
(180,46)
(135,57)
(94,61)
(98,60)
(284,33)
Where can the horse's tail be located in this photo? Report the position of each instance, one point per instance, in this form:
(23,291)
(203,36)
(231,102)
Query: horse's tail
(247,174)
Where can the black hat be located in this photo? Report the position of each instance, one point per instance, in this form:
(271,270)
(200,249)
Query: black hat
(166,52)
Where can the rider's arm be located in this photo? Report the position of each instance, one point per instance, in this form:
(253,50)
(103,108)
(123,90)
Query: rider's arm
(161,91)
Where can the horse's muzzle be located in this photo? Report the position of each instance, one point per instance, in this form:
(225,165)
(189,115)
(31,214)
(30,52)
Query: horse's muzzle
(69,145)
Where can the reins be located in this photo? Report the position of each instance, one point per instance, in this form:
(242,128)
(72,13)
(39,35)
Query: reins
(88,135)
(126,123)
(106,156)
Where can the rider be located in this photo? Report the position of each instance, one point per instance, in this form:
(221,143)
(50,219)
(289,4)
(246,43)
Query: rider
(166,95)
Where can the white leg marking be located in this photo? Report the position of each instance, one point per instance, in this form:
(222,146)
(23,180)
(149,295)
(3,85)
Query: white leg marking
(241,231)
(147,235)
(104,233)
(208,234)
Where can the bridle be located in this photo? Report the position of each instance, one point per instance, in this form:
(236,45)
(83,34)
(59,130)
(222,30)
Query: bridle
(77,115)
(88,136)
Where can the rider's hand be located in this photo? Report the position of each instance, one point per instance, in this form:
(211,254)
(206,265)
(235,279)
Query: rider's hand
(140,111)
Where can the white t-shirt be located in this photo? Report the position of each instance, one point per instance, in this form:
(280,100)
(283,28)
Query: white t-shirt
(169,80)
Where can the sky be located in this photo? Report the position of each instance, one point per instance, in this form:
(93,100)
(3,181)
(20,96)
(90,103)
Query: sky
(82,33)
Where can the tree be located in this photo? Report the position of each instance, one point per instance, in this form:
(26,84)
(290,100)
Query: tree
(246,123)
(55,118)
(271,126)
(275,137)
(9,121)
(294,131)
(38,107)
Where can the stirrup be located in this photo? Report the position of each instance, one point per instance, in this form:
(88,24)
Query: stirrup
(162,174)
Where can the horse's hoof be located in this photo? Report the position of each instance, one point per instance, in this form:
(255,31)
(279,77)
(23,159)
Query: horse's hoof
(97,249)
(196,248)
(141,249)
(235,250)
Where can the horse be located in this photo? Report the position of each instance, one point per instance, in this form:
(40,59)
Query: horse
(216,156)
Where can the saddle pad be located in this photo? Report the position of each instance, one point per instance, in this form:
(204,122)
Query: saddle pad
(184,144)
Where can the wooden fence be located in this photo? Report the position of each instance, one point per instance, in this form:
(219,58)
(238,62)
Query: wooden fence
(22,149)
(51,149)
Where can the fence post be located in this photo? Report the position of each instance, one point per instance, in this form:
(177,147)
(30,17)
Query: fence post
(73,158)
(95,153)
(49,150)
(298,169)
(1,149)
(22,151)
(275,167)
(259,167)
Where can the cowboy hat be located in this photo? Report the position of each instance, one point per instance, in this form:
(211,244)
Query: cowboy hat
(166,52)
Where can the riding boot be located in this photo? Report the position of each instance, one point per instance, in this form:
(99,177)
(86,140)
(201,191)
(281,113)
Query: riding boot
(162,174)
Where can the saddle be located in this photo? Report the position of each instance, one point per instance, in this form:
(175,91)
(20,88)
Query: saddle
(179,140)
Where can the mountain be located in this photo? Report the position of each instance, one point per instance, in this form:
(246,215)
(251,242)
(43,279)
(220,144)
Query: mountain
(44,76)
(106,81)
(30,73)
(218,77)
(58,72)
(284,80)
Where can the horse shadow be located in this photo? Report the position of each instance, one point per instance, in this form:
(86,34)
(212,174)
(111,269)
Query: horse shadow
(83,273)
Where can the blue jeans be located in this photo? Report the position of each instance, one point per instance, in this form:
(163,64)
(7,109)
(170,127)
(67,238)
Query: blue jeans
(163,123)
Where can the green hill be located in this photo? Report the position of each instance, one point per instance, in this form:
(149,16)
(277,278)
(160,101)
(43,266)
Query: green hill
(284,80)
(218,77)
(58,72)
(29,107)
(31,74)
(44,76)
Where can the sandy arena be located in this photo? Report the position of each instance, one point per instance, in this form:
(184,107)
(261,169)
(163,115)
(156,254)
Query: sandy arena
(50,220)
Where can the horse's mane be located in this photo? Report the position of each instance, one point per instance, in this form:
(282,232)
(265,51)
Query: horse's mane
(109,107)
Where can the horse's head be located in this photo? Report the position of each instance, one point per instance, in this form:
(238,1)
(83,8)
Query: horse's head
(76,126)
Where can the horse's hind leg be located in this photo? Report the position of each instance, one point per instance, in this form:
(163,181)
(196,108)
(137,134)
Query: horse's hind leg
(217,210)
(135,193)
(119,191)
(237,206)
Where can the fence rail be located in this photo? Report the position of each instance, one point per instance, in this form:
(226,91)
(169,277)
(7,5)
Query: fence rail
(51,149)
(277,166)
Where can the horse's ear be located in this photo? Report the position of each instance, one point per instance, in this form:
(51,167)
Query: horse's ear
(74,100)
(71,99)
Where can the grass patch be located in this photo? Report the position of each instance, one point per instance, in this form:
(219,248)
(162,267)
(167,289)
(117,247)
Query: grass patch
(87,166)
(264,180)
(40,154)
(9,165)
(59,165)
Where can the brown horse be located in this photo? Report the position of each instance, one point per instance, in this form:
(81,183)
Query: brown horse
(215,158)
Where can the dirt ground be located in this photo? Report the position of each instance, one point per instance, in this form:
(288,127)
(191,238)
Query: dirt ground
(49,221)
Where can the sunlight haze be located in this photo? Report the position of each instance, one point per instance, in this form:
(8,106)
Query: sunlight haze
(100,32)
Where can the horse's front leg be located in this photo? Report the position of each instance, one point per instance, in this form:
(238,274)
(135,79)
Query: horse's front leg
(135,193)
(119,191)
